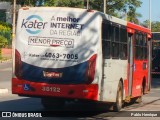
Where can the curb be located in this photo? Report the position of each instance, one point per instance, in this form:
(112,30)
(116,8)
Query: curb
(2,61)
(3,90)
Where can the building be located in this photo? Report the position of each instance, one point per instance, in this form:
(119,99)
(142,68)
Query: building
(6,12)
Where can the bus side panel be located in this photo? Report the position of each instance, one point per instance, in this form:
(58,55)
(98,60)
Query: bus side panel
(114,71)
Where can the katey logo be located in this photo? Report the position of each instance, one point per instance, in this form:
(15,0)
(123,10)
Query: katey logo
(34,24)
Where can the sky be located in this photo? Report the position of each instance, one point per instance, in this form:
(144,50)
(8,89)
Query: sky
(144,10)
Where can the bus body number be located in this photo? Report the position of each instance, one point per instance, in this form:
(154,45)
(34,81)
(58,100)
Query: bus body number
(51,89)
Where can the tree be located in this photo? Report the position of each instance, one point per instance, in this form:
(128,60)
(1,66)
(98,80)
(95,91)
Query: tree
(27,2)
(3,41)
(132,16)
(5,34)
(114,7)
(155,25)
(65,3)
(145,23)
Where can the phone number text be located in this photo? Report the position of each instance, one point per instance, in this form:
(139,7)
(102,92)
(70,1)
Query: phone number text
(58,55)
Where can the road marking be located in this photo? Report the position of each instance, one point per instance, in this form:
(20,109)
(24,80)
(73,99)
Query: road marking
(3,90)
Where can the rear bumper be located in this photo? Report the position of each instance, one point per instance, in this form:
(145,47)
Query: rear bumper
(78,91)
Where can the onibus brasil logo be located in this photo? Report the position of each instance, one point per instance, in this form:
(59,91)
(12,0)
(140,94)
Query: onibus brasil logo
(33,24)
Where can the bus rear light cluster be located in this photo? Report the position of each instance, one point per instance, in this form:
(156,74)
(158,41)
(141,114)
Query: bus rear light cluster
(91,69)
(89,10)
(18,64)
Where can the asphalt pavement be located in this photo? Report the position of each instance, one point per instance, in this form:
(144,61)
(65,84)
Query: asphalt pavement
(151,101)
(5,76)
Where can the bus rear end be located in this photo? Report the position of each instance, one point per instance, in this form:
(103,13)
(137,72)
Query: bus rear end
(56,53)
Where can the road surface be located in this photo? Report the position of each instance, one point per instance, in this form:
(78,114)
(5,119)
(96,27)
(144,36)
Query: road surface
(10,102)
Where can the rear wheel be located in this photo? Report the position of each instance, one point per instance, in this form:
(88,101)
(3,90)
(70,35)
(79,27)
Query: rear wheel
(52,103)
(119,99)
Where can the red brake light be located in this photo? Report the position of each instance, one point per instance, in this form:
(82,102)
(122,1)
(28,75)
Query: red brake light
(91,69)
(18,64)
(25,8)
(89,10)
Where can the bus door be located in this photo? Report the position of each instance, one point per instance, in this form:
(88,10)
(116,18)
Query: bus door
(140,63)
(130,63)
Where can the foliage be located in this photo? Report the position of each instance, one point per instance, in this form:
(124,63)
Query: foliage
(155,25)
(114,7)
(5,24)
(5,33)
(19,1)
(65,3)
(3,41)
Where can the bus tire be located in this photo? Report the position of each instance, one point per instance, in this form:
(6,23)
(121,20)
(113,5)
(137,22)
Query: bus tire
(52,103)
(119,99)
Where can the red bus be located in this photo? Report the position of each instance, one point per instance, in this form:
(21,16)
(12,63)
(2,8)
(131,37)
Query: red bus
(70,53)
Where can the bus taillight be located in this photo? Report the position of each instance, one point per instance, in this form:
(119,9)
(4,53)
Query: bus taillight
(18,64)
(91,69)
